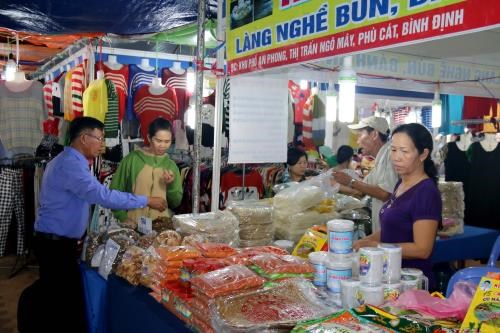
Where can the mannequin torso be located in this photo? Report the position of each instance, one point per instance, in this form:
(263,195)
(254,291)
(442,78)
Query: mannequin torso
(489,143)
(112,63)
(144,65)
(177,68)
(156,87)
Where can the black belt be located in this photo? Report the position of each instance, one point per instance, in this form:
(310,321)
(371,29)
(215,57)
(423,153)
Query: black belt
(48,236)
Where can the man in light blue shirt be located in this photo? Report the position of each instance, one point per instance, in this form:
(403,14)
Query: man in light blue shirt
(68,190)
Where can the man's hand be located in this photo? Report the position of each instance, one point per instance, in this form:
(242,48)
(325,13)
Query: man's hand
(168,176)
(157,203)
(342,178)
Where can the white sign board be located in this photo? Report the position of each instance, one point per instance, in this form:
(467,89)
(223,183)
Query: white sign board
(258,120)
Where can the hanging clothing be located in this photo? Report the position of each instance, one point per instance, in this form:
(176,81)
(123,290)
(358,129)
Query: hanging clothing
(111,123)
(51,124)
(95,100)
(11,201)
(307,123)
(477,108)
(232,186)
(78,85)
(148,106)
(21,117)
(181,141)
(120,79)
(178,82)
(426,117)
(457,168)
(319,121)
(482,194)
(68,102)
(299,99)
(225,107)
(452,110)
(58,95)
(137,78)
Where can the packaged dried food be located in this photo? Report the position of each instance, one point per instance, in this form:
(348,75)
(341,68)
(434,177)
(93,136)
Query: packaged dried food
(244,256)
(257,231)
(168,238)
(227,280)
(271,263)
(150,261)
(162,223)
(92,241)
(191,240)
(278,307)
(146,241)
(131,264)
(215,227)
(215,250)
(194,267)
(113,253)
(256,242)
(169,253)
(298,198)
(251,211)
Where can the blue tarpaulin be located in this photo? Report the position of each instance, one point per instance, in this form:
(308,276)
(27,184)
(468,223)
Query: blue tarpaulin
(124,17)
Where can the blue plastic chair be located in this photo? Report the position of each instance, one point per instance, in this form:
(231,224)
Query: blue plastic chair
(474,274)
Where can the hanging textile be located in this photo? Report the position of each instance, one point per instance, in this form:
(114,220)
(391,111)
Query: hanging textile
(225,106)
(111,123)
(477,108)
(319,121)
(179,83)
(137,78)
(95,100)
(482,195)
(452,111)
(11,201)
(68,102)
(78,85)
(120,79)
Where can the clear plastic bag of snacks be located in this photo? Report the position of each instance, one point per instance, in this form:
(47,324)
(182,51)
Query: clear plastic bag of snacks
(226,281)
(131,264)
(215,250)
(274,309)
(219,227)
(113,252)
(168,238)
(168,253)
(271,263)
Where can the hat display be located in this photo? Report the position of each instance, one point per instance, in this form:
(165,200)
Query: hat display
(377,123)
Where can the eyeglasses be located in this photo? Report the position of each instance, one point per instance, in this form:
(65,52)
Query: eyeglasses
(98,138)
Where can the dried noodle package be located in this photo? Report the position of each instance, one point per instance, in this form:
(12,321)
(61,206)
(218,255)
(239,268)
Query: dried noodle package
(219,227)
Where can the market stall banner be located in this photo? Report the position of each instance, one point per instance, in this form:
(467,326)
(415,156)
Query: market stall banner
(263,34)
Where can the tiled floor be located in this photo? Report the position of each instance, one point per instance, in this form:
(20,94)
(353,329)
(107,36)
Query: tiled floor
(10,289)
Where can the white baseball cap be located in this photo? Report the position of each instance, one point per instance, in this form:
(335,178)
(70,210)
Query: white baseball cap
(377,123)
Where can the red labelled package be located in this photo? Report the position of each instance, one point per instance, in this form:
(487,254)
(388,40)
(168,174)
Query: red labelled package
(203,265)
(227,280)
(271,263)
(169,253)
(244,256)
(215,250)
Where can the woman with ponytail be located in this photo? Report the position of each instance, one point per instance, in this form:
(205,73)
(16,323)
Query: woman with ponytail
(411,216)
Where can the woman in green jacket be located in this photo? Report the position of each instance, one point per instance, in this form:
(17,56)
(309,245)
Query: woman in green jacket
(149,171)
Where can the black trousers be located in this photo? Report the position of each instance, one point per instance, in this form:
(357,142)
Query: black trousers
(60,287)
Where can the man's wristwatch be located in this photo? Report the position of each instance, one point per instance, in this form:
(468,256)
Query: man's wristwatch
(351,182)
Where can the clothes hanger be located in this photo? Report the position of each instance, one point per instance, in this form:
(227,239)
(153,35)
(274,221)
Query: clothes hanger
(145,66)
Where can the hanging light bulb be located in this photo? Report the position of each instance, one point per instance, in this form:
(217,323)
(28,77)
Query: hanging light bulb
(190,80)
(347,91)
(10,68)
(331,103)
(304,84)
(436,110)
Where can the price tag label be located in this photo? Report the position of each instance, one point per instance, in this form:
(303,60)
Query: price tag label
(145,225)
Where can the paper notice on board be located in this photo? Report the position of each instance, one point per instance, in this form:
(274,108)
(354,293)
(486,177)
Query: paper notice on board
(258,120)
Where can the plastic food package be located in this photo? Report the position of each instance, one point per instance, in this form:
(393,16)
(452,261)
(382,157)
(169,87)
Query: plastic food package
(92,241)
(113,252)
(219,227)
(345,202)
(192,240)
(150,261)
(162,223)
(256,242)
(265,310)
(215,250)
(339,322)
(131,264)
(298,198)
(168,238)
(168,253)
(195,267)
(255,220)
(227,280)
(452,195)
(245,254)
(146,241)
(272,263)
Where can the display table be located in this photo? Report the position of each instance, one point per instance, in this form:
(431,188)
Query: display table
(117,306)
(474,243)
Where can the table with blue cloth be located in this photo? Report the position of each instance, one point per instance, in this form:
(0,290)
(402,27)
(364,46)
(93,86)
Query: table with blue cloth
(475,243)
(117,306)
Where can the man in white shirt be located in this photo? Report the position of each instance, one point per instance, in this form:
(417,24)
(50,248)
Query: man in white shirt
(373,133)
